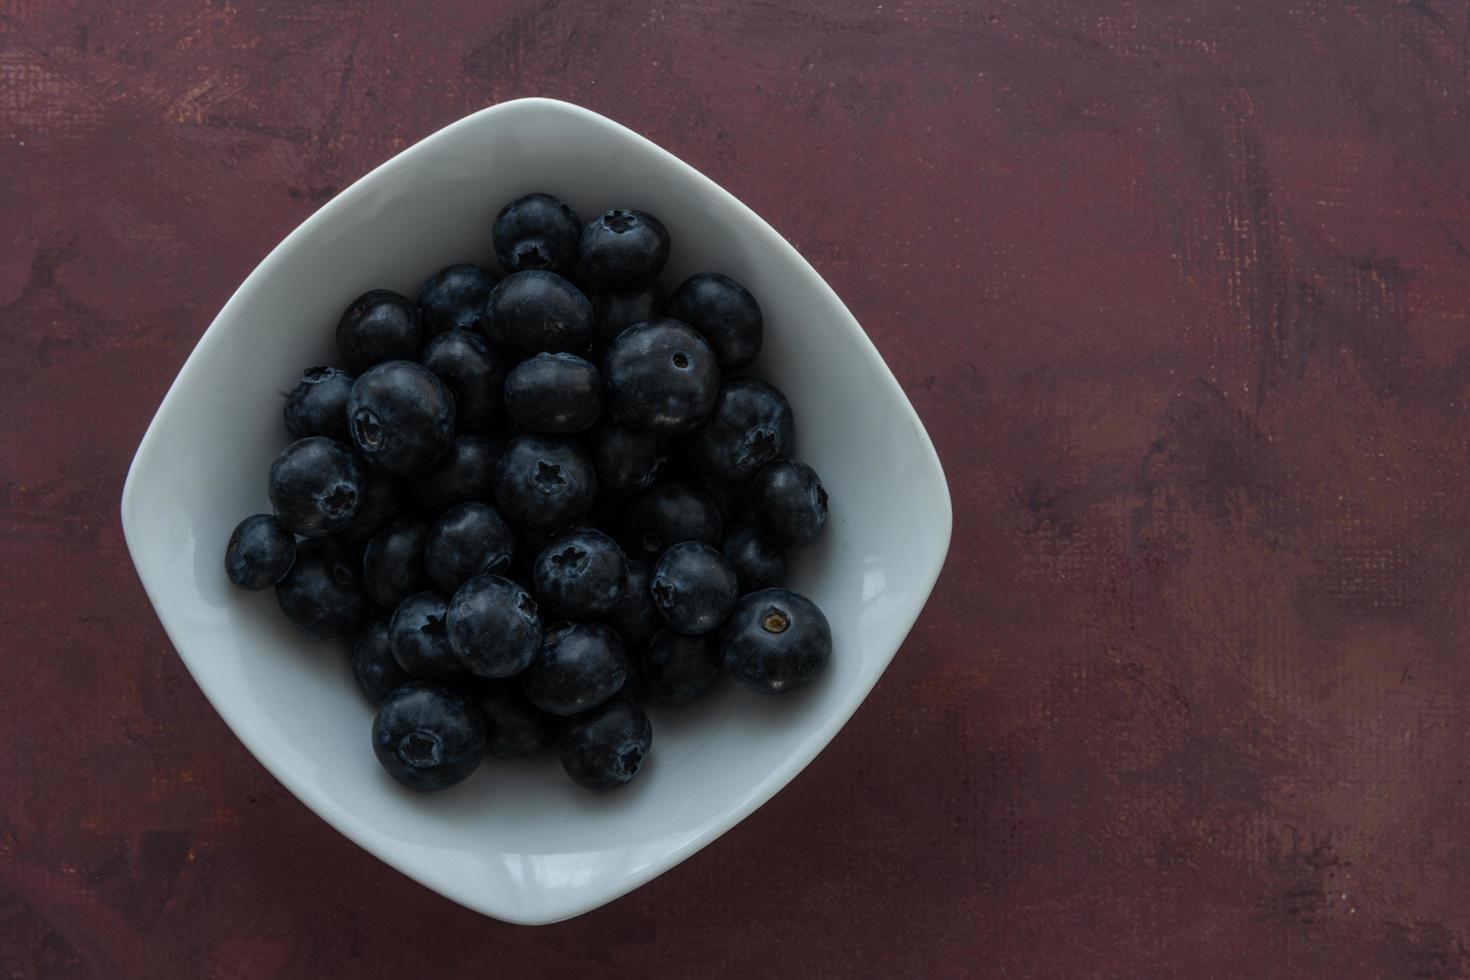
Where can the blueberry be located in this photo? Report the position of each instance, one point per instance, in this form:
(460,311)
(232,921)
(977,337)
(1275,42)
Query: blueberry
(469,539)
(538,231)
(555,393)
(393,564)
(680,668)
(661,376)
(789,503)
(472,371)
(494,626)
(322,594)
(377,505)
(544,483)
(373,667)
(666,514)
(724,313)
(758,563)
(625,459)
(634,616)
(317,406)
(536,311)
(615,310)
(379,326)
(260,553)
(513,726)
(315,486)
(420,639)
(624,248)
(693,587)
(606,747)
(579,667)
(776,640)
(429,737)
(465,472)
(401,417)
(454,298)
(580,574)
(749,427)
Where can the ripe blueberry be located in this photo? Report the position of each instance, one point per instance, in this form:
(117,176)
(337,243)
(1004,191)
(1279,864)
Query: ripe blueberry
(693,587)
(393,564)
(454,298)
(789,503)
(536,311)
(401,417)
(544,483)
(606,747)
(373,667)
(775,641)
(420,640)
(724,313)
(661,376)
(580,574)
(580,666)
(315,486)
(624,248)
(472,371)
(322,594)
(380,325)
(317,406)
(429,737)
(538,231)
(494,626)
(554,393)
(469,539)
(260,553)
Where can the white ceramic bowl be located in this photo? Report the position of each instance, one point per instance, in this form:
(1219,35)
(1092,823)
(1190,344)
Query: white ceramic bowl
(518,840)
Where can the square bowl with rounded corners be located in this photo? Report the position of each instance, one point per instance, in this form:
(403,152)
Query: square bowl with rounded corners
(518,840)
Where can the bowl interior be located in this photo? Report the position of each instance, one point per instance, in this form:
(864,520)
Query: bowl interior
(518,840)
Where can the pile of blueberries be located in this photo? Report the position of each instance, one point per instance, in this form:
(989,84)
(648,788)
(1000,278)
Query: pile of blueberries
(534,501)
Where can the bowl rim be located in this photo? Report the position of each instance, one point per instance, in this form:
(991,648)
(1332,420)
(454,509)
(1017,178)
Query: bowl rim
(803,752)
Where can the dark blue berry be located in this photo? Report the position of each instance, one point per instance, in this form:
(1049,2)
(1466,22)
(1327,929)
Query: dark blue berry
(429,737)
(454,298)
(260,553)
(625,459)
(465,472)
(554,393)
(317,406)
(789,503)
(693,587)
(536,311)
(420,640)
(776,640)
(666,514)
(401,417)
(322,594)
(606,747)
(379,326)
(679,667)
(580,666)
(472,371)
(580,574)
(373,667)
(749,427)
(634,616)
(758,563)
(377,505)
(469,539)
(315,486)
(393,564)
(513,726)
(724,313)
(538,231)
(615,310)
(494,626)
(661,376)
(624,248)
(544,483)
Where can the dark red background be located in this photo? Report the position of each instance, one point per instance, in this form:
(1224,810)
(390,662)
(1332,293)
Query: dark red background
(1179,289)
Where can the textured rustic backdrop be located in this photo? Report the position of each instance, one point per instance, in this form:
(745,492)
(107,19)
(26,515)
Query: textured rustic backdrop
(1180,290)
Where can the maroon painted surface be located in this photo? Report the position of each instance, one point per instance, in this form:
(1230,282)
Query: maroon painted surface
(1180,291)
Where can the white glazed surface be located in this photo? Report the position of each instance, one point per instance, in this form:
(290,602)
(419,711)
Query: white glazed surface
(518,840)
